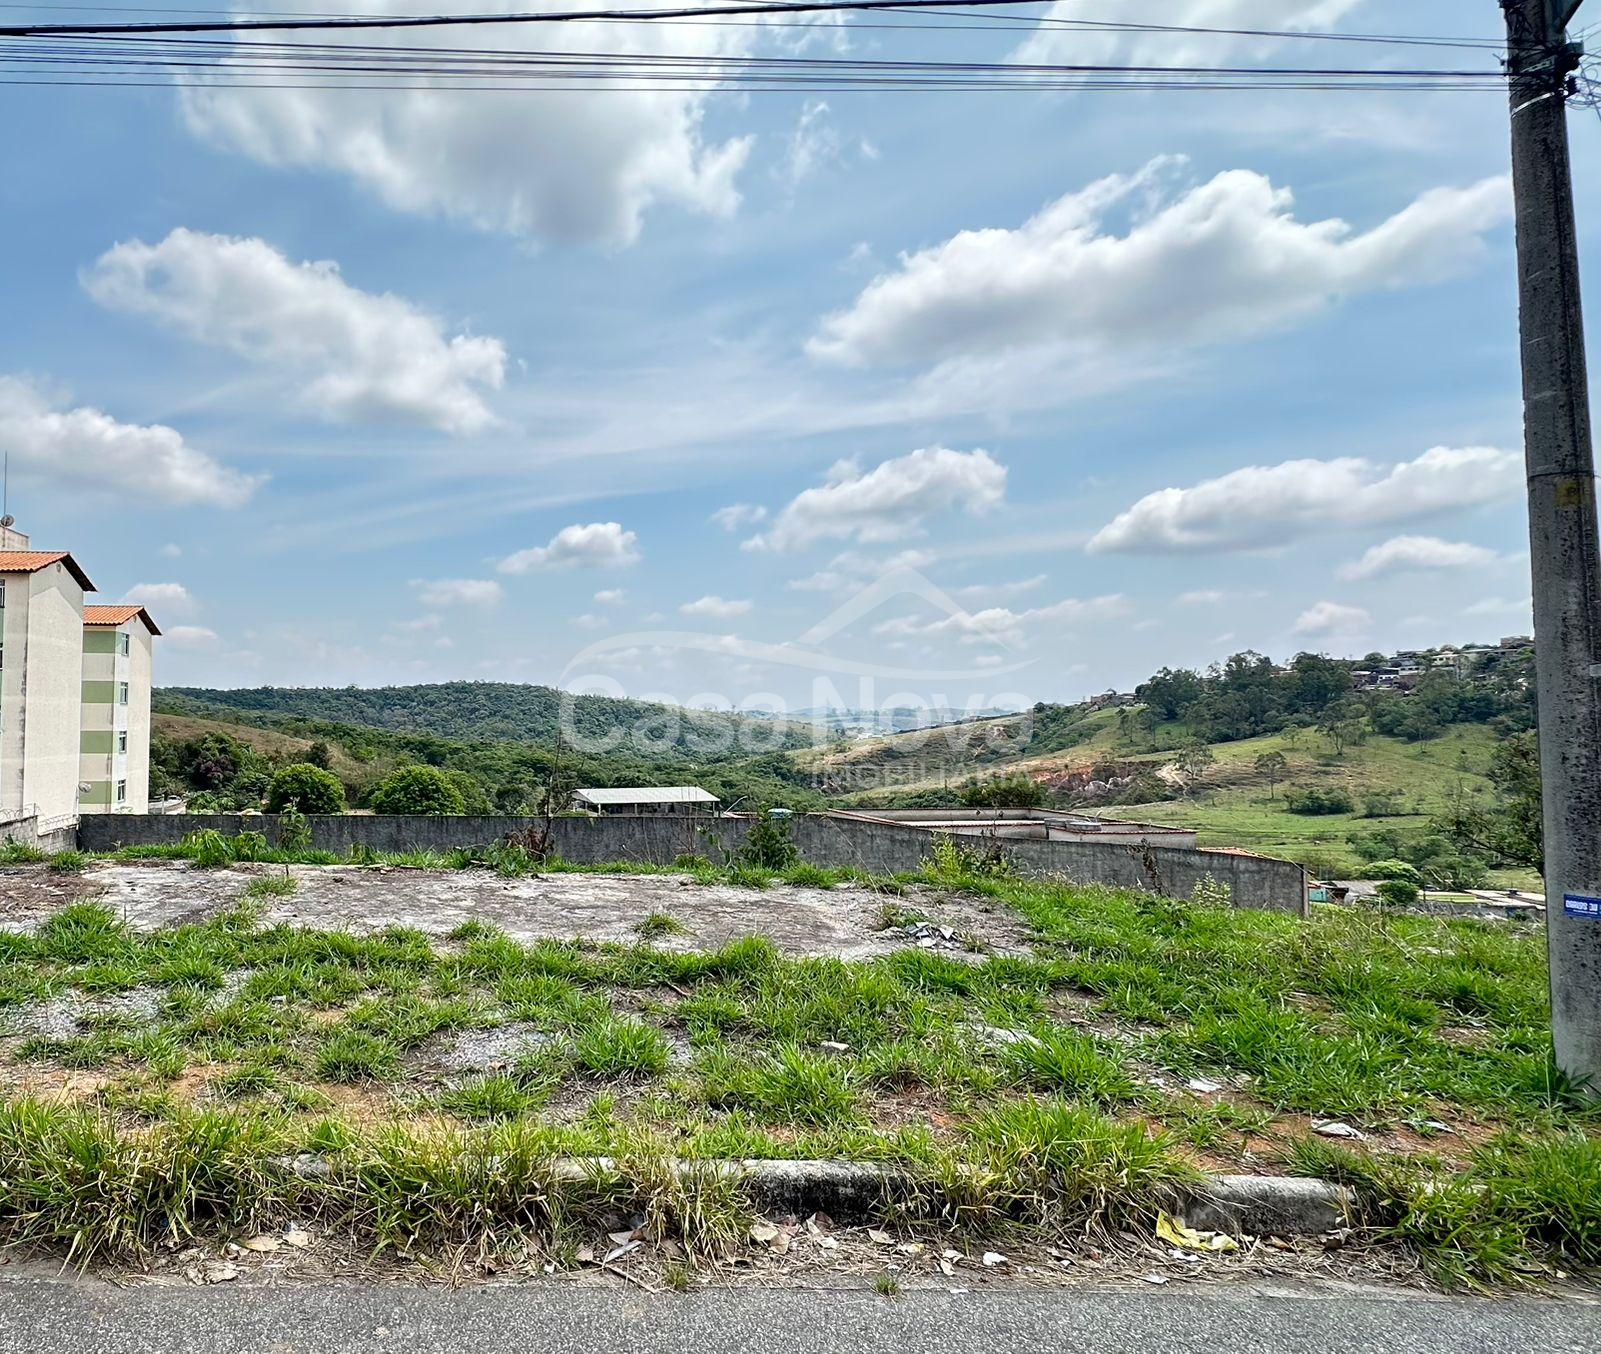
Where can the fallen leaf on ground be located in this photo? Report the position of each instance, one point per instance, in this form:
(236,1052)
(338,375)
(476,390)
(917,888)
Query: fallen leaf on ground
(262,1243)
(1175,1233)
(764,1233)
(881,1238)
(993,1258)
(1157,1279)
(219,1271)
(297,1238)
(617,1252)
(1202,1086)
(1333,1128)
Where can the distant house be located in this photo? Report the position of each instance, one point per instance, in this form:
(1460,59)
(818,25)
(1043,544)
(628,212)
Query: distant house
(672,799)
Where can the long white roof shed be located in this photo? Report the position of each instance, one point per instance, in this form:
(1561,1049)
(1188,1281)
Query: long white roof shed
(645,794)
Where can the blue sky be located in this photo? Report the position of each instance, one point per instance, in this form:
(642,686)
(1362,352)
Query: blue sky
(373,387)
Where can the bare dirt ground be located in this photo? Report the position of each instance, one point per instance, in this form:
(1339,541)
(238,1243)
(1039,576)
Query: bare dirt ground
(847,921)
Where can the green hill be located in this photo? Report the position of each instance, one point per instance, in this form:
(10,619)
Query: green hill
(495,712)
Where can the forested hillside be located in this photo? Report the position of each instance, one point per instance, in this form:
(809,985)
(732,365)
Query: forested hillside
(494,711)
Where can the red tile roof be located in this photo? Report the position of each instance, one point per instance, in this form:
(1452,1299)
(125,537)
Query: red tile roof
(31,561)
(118,615)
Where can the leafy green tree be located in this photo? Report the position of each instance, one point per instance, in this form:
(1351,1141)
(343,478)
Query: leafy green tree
(320,754)
(1004,792)
(768,843)
(1509,827)
(1273,767)
(307,788)
(1343,724)
(418,789)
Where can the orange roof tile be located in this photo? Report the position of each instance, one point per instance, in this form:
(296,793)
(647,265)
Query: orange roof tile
(31,561)
(120,614)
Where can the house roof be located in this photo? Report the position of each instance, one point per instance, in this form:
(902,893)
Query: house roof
(31,561)
(120,614)
(648,794)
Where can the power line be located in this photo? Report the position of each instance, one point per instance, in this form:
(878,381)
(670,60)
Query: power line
(759,7)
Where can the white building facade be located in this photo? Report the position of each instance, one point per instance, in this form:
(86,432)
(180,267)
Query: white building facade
(114,728)
(46,715)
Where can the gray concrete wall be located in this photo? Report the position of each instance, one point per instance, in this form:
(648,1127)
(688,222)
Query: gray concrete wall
(822,839)
(26,831)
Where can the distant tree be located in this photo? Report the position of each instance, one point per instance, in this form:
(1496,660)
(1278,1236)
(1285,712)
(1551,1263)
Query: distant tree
(307,788)
(1343,724)
(1273,766)
(418,789)
(1509,827)
(1171,692)
(320,754)
(1195,758)
(1007,792)
(214,761)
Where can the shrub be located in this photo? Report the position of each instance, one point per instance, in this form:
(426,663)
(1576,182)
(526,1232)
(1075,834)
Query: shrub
(1008,792)
(418,789)
(768,843)
(208,849)
(69,862)
(1317,803)
(1394,869)
(306,787)
(1397,893)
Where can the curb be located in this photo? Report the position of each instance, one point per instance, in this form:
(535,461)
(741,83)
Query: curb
(1269,1205)
(856,1192)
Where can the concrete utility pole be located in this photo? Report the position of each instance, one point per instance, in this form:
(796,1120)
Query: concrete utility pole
(1564,546)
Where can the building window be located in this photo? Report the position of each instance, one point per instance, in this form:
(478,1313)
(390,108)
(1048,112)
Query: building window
(2,594)
(122,644)
(122,693)
(122,740)
(122,792)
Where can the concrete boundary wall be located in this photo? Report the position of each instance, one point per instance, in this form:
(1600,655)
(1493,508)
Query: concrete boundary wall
(822,839)
(25,832)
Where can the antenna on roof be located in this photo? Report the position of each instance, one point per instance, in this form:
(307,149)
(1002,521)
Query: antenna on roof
(6,519)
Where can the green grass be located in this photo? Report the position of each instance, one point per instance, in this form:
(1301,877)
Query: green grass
(659,924)
(272,886)
(1381,1019)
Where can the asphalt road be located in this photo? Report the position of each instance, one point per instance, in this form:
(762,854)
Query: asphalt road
(42,1316)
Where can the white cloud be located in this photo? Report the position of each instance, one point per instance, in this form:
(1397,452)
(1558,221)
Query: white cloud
(1403,553)
(596,545)
(363,356)
(590,621)
(988,591)
(611,597)
(86,449)
(189,636)
(1056,43)
(552,164)
(716,608)
(888,502)
(1332,620)
(418,625)
(1499,606)
(168,599)
(171,551)
(457,592)
(852,569)
(1202,597)
(815,145)
(1262,506)
(1217,262)
(737,515)
(1002,625)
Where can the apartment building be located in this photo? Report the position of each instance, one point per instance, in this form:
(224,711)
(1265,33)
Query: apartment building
(74,692)
(114,732)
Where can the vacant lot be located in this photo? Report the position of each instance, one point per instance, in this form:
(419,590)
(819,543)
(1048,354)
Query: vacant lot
(1038,1055)
(847,921)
